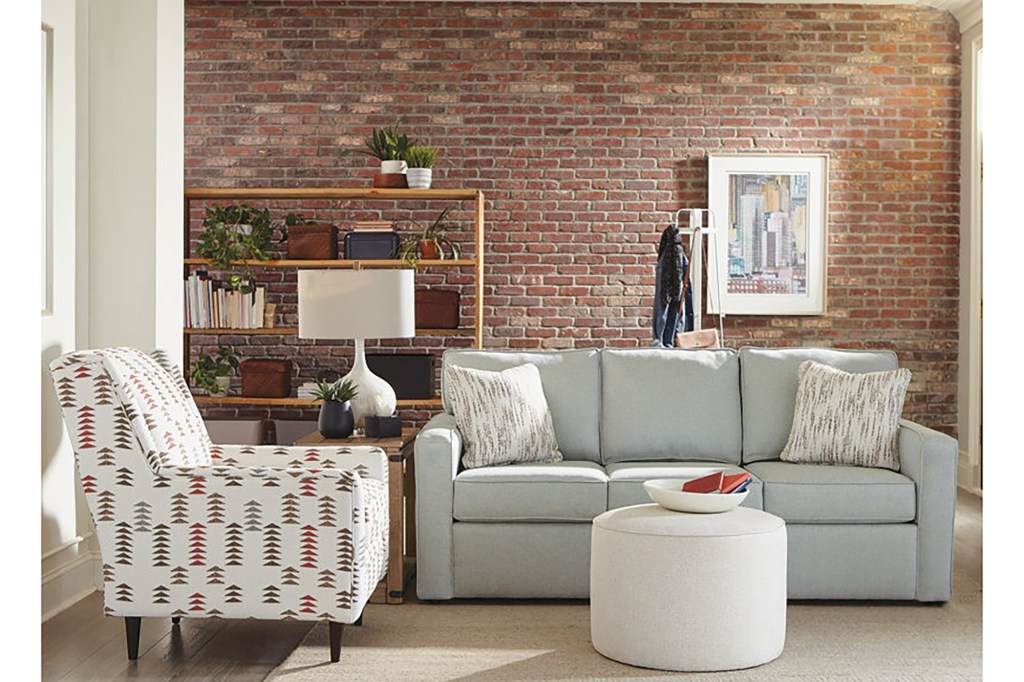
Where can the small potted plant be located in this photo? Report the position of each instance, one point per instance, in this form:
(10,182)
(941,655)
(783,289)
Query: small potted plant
(210,373)
(421,161)
(387,145)
(430,242)
(336,419)
(236,233)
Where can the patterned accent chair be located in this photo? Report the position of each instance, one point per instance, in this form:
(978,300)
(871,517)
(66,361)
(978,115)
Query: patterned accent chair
(188,528)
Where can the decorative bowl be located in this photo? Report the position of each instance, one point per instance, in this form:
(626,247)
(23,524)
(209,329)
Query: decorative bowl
(668,493)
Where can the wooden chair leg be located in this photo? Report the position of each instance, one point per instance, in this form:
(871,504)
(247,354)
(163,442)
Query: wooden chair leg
(336,630)
(132,626)
(175,620)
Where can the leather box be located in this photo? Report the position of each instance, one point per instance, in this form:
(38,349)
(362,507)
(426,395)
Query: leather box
(410,374)
(313,241)
(266,378)
(382,427)
(437,309)
(371,245)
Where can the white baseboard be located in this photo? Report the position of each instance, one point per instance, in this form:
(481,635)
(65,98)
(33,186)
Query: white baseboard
(70,573)
(968,474)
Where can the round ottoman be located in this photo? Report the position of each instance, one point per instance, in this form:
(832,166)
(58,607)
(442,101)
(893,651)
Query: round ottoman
(688,592)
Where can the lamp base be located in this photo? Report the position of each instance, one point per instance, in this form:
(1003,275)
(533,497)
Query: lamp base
(375,397)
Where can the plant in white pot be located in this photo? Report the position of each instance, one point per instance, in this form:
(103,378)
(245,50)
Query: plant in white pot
(210,373)
(387,145)
(421,161)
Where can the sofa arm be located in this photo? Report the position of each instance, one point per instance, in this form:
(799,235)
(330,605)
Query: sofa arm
(438,448)
(928,458)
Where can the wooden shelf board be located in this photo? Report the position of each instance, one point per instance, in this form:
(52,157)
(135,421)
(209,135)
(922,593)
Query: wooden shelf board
(339,263)
(243,401)
(293,331)
(332,193)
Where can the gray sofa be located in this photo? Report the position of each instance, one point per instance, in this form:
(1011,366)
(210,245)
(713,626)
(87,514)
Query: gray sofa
(624,416)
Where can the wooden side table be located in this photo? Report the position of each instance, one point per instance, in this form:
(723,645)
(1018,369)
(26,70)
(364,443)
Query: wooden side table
(402,509)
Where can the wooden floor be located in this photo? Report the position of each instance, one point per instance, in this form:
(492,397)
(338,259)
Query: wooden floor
(81,644)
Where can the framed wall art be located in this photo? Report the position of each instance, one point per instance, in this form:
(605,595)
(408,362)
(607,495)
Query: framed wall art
(768,251)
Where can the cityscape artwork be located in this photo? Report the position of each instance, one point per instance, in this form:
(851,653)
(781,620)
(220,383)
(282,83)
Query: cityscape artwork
(769,233)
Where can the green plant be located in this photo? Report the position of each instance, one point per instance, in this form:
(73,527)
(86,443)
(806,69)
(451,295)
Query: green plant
(207,368)
(420,156)
(436,233)
(336,391)
(290,220)
(386,144)
(236,233)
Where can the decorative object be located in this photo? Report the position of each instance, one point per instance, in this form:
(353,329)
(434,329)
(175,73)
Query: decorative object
(266,378)
(236,233)
(309,240)
(390,180)
(210,373)
(174,513)
(336,419)
(371,245)
(430,242)
(503,416)
(383,427)
(421,162)
(772,211)
(437,309)
(668,493)
(390,147)
(844,418)
(359,305)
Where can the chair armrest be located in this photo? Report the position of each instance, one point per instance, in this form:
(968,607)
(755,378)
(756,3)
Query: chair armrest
(438,448)
(929,459)
(368,460)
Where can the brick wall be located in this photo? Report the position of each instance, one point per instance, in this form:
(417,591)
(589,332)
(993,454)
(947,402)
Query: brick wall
(586,125)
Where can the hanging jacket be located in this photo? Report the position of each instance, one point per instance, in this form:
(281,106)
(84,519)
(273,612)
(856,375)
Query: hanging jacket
(668,288)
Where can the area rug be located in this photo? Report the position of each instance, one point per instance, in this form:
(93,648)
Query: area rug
(533,640)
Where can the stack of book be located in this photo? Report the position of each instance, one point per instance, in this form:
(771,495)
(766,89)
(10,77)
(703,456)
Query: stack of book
(719,482)
(210,304)
(305,391)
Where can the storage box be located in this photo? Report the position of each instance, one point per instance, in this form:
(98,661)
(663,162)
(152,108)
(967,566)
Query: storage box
(313,241)
(437,309)
(410,374)
(382,427)
(371,245)
(266,378)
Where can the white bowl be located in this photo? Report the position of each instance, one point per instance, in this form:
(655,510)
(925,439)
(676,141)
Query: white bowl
(669,494)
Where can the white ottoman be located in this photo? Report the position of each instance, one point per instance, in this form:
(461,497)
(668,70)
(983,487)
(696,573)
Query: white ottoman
(688,592)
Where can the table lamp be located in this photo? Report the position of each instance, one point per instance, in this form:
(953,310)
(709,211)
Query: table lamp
(359,305)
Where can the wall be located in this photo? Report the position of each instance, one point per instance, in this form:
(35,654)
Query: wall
(586,125)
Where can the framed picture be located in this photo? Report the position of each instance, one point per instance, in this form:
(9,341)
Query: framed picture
(769,221)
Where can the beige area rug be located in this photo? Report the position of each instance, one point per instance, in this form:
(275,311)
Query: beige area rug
(510,640)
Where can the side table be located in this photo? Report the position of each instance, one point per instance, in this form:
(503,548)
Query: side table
(402,499)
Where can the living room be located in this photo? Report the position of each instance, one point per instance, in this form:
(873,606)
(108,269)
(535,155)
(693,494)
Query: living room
(568,144)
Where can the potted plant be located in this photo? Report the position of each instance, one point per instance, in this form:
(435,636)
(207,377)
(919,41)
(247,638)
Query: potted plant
(387,145)
(421,161)
(210,373)
(430,242)
(236,233)
(336,419)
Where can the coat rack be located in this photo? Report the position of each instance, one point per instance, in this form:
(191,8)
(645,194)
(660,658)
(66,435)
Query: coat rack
(697,258)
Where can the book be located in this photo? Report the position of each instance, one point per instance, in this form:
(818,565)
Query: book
(374,226)
(743,486)
(704,484)
(733,481)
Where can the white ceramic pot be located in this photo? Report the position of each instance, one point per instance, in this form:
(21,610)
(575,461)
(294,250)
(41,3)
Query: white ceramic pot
(419,178)
(393,167)
(224,383)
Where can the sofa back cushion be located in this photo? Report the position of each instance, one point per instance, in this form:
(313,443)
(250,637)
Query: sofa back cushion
(768,382)
(572,387)
(670,404)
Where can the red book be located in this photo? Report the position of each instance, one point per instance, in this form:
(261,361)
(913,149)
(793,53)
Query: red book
(704,484)
(730,483)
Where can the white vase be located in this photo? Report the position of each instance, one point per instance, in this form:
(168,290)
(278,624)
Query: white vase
(419,178)
(393,167)
(376,398)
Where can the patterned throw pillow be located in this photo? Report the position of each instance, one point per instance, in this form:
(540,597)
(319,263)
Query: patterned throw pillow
(503,416)
(844,418)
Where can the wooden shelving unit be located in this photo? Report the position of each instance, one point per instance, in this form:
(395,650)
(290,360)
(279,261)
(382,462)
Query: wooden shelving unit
(476,263)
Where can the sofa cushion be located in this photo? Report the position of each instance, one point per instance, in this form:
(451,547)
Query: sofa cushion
(572,386)
(557,491)
(822,493)
(670,405)
(768,382)
(626,480)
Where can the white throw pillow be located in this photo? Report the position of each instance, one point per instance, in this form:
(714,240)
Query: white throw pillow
(844,418)
(503,416)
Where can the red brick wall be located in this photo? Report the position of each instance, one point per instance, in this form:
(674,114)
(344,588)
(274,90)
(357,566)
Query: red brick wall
(586,125)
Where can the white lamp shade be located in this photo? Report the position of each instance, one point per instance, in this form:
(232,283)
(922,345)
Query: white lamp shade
(356,304)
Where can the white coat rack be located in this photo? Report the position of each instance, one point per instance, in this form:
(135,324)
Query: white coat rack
(697,232)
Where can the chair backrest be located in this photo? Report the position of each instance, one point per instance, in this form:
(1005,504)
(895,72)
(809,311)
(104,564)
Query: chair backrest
(161,412)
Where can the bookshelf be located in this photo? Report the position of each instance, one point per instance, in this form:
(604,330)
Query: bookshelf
(475,265)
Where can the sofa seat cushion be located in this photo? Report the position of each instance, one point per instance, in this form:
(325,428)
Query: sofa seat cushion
(626,480)
(556,491)
(821,493)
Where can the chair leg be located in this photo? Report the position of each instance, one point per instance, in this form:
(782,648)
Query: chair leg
(359,621)
(336,630)
(175,620)
(132,626)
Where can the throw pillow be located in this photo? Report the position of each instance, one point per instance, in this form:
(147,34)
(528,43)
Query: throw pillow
(844,418)
(503,416)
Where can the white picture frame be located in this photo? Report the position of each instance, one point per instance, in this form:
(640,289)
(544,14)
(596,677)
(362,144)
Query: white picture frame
(769,223)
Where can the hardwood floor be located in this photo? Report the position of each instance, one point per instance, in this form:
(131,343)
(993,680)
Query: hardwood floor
(81,644)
